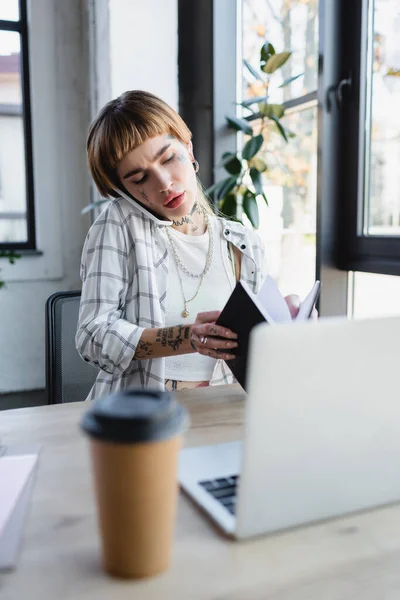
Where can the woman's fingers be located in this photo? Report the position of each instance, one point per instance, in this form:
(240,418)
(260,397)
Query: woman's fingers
(217,343)
(212,346)
(207,317)
(213,352)
(213,330)
(210,339)
(217,354)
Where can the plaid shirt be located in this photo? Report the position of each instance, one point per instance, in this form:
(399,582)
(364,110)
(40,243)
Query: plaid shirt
(124,275)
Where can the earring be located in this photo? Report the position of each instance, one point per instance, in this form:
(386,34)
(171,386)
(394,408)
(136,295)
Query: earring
(196,166)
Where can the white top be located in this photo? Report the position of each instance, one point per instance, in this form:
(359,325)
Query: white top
(125,270)
(215,290)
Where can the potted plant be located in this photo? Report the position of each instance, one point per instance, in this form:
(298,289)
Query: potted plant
(237,193)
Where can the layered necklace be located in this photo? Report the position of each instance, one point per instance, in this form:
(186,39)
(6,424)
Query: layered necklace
(180,266)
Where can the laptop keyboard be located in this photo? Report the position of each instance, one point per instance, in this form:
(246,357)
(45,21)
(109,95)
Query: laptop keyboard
(223,489)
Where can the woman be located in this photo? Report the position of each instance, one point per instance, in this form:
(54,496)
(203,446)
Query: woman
(157,264)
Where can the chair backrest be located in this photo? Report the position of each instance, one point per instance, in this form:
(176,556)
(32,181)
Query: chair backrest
(68,377)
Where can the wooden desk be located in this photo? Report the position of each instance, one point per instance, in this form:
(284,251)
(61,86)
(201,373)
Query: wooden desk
(355,558)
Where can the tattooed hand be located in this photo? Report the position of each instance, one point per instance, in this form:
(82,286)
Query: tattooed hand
(210,339)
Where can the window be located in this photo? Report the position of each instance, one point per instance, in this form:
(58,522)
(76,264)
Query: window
(17,227)
(288,223)
(370,231)
(374,295)
(333,189)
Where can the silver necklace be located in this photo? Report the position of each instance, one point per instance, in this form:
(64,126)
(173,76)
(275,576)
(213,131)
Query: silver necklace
(209,256)
(185,313)
(179,265)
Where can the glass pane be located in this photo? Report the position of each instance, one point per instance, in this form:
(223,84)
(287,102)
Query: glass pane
(13,225)
(13,230)
(382,181)
(10,69)
(288,223)
(376,295)
(288,25)
(9,10)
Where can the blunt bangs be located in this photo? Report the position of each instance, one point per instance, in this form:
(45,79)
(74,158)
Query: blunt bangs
(123,125)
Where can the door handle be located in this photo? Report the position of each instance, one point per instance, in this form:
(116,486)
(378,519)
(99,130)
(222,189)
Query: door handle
(342,85)
(338,91)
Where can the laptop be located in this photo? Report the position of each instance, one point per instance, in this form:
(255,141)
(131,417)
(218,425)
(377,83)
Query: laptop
(321,436)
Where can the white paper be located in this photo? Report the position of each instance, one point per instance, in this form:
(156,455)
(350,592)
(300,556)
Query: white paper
(308,303)
(272,300)
(274,303)
(16,480)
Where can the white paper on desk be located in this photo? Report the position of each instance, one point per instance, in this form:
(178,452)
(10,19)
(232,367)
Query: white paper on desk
(16,481)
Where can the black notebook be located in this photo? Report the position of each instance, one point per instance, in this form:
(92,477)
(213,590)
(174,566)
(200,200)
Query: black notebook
(244,310)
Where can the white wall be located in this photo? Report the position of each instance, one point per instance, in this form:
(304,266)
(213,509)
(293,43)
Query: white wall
(144,47)
(60,119)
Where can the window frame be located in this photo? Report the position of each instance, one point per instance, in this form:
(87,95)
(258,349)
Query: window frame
(21,27)
(336,291)
(356,251)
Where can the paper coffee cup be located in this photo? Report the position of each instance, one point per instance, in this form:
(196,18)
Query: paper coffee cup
(135,437)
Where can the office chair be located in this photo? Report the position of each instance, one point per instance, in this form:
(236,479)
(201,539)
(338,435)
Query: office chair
(68,377)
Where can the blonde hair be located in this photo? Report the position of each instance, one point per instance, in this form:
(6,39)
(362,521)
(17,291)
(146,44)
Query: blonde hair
(121,126)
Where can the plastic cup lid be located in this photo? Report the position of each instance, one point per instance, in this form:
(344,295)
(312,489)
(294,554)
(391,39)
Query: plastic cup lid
(135,415)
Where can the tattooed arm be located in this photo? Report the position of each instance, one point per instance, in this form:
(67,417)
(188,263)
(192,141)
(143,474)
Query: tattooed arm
(168,341)
(203,336)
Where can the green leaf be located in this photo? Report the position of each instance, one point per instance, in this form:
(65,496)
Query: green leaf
(259,164)
(271,110)
(228,205)
(231,163)
(280,127)
(275,62)
(10,254)
(93,205)
(252,70)
(252,146)
(247,108)
(250,101)
(287,81)
(213,190)
(226,186)
(250,208)
(257,180)
(240,125)
(266,52)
